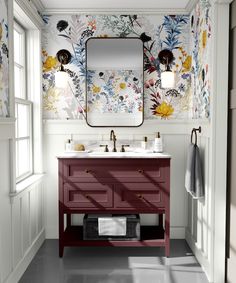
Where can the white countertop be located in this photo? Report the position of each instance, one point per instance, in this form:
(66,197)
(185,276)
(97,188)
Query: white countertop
(127,154)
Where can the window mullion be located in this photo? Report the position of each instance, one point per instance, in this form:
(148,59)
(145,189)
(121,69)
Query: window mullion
(23,138)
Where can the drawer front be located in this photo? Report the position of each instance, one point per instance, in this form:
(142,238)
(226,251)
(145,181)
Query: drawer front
(142,195)
(116,170)
(84,195)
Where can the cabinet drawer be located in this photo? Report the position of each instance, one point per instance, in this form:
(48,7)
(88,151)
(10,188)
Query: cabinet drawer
(122,170)
(137,173)
(82,171)
(84,195)
(142,195)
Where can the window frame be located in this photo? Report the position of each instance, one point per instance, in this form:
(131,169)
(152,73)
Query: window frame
(23,100)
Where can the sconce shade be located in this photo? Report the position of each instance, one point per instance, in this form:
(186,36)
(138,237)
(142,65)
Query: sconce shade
(167,79)
(61,79)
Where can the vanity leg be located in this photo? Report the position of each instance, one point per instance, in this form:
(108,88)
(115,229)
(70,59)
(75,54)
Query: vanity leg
(61,230)
(167,233)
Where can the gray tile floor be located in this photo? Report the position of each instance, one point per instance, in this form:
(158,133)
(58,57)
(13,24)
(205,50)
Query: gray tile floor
(114,265)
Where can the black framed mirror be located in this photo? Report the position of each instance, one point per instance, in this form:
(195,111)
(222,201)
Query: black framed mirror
(114,82)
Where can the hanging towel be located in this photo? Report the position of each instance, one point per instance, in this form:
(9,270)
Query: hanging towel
(193,175)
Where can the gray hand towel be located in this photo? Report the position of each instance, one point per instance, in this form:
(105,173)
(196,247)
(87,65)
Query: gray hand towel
(193,175)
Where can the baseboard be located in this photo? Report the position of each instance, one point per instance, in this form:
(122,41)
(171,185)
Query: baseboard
(25,261)
(202,259)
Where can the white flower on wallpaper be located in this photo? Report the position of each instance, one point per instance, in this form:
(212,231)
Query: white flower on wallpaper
(115,91)
(4,96)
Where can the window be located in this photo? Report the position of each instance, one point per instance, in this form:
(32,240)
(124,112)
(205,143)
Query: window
(23,107)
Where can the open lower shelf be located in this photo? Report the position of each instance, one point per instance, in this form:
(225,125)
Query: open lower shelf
(153,236)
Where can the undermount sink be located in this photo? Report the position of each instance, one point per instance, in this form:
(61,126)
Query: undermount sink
(111,153)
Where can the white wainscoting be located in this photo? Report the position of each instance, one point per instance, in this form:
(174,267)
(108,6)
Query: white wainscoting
(21,217)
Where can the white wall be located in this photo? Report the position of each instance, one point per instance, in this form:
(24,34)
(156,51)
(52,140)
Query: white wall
(176,138)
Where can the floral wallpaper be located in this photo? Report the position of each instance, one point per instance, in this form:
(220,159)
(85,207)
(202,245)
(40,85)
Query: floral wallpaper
(200,24)
(115,91)
(156,31)
(4,98)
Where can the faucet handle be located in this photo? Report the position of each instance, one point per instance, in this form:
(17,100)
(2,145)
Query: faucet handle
(123,147)
(106,147)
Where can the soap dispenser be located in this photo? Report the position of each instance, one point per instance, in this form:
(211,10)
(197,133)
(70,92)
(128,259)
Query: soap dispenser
(68,145)
(158,145)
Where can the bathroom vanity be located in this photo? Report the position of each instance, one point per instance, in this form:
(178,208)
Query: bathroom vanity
(114,183)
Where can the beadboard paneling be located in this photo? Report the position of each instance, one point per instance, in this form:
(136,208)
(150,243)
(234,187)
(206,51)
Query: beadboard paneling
(5,212)
(21,221)
(198,232)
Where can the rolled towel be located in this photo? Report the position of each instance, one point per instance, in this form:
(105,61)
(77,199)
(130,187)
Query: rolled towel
(193,175)
(112,226)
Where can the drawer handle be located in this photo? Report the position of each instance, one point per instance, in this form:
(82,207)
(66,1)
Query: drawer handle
(140,171)
(140,196)
(88,171)
(87,196)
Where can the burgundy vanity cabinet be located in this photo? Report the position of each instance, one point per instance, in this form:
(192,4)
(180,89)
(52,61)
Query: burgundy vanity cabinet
(114,185)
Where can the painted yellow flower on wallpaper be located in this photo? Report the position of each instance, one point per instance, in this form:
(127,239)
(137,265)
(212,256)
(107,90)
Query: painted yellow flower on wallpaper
(164,110)
(50,100)
(50,63)
(122,85)
(204,38)
(187,64)
(96,89)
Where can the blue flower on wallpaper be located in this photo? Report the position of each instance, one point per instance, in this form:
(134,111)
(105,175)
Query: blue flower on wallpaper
(173,26)
(181,87)
(46,18)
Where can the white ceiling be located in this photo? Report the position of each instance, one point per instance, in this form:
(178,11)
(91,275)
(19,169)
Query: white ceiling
(162,5)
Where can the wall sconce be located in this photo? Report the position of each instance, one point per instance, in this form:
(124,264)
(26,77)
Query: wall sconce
(167,77)
(61,76)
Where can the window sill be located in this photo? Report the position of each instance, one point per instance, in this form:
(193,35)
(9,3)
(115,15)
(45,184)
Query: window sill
(25,184)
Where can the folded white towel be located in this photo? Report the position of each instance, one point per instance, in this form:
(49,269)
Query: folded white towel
(112,226)
(193,175)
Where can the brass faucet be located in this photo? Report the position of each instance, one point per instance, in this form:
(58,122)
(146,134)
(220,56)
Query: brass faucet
(113,138)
